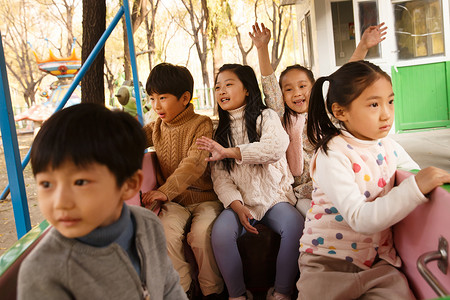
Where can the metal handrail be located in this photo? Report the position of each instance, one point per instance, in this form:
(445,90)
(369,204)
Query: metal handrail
(441,255)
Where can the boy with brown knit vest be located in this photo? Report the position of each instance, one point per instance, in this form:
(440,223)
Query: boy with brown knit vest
(185,186)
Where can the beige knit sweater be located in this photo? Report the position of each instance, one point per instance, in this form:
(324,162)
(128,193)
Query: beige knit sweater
(183,174)
(262,178)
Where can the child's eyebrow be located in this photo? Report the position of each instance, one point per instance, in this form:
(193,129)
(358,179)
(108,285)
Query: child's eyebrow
(230,79)
(378,97)
(297,82)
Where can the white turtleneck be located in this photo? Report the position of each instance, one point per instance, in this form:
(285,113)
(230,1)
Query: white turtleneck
(262,178)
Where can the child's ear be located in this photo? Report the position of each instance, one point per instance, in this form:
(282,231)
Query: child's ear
(132,185)
(339,112)
(186,98)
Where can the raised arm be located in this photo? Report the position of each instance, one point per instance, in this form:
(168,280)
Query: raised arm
(271,89)
(372,36)
(261,38)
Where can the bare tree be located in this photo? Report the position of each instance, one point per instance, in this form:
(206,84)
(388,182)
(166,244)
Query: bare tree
(279,32)
(150,26)
(217,31)
(111,81)
(20,61)
(237,34)
(199,21)
(63,12)
(139,14)
(166,35)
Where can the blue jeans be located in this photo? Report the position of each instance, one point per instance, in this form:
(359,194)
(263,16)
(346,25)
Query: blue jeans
(285,220)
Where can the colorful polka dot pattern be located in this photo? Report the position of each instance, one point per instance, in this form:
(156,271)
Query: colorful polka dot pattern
(326,231)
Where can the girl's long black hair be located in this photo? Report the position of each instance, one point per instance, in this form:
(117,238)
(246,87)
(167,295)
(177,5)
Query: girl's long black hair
(346,84)
(288,112)
(253,108)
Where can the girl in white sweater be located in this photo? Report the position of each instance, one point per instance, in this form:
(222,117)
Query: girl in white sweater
(347,243)
(252,179)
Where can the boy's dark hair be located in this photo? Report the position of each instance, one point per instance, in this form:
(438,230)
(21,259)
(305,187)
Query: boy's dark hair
(90,133)
(253,108)
(166,78)
(288,112)
(346,84)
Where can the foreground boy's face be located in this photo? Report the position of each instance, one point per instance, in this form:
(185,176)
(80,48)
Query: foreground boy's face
(77,200)
(168,106)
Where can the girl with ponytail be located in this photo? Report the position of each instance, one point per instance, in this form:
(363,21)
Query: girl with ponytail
(347,243)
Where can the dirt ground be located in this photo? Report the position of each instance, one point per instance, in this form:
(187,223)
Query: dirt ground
(8,234)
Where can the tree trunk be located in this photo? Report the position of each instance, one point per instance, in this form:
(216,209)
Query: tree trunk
(69,23)
(217,51)
(126,52)
(94,24)
(150,45)
(204,56)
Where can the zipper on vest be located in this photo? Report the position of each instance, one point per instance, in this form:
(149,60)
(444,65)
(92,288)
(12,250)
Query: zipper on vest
(143,277)
(145,293)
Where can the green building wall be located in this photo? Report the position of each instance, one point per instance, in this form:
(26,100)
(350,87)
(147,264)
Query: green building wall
(422,96)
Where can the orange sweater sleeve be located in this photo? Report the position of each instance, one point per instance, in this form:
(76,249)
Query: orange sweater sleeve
(191,167)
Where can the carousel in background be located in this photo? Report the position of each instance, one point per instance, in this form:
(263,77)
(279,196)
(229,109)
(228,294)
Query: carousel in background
(64,69)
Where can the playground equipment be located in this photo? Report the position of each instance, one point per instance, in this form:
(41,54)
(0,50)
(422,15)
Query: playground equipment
(413,236)
(64,69)
(7,125)
(127,98)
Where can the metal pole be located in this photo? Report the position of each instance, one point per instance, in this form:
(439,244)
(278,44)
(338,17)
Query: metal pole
(137,90)
(12,154)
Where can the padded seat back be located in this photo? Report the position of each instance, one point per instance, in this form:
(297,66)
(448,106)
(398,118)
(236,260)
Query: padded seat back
(419,233)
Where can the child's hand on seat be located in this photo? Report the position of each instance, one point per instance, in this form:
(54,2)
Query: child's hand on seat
(244,216)
(149,197)
(260,36)
(430,178)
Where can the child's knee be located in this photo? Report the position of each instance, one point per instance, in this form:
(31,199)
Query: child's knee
(221,236)
(292,220)
(200,236)
(174,229)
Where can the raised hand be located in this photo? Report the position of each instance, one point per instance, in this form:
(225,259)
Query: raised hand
(373,35)
(260,36)
(430,178)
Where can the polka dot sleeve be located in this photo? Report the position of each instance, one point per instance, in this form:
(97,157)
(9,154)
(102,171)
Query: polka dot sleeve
(336,177)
